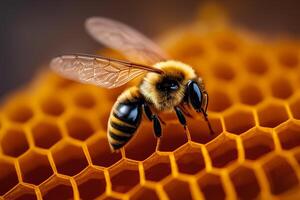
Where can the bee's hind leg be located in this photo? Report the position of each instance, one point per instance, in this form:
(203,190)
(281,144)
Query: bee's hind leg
(180,116)
(155,119)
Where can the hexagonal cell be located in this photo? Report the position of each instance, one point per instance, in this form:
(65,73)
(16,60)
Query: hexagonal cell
(280,174)
(52,106)
(21,192)
(20,113)
(297,156)
(289,136)
(223,71)
(143,144)
(295,108)
(69,159)
(177,189)
(14,142)
(157,168)
(45,134)
(200,132)
(256,64)
(281,88)
(101,153)
(79,128)
(57,186)
(91,184)
(85,100)
(189,159)
(211,186)
(272,115)
(223,151)
(239,121)
(218,101)
(245,183)
(250,95)
(173,136)
(288,58)
(257,143)
(35,167)
(124,177)
(226,43)
(145,193)
(8,177)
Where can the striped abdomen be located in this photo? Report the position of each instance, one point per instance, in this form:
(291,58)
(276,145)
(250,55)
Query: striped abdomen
(125,118)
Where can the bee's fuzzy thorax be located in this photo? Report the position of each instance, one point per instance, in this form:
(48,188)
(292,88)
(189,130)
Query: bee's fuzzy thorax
(163,100)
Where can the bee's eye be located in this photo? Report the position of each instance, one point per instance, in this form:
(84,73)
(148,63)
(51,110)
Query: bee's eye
(168,85)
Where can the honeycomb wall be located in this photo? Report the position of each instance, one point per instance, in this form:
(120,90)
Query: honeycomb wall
(53,133)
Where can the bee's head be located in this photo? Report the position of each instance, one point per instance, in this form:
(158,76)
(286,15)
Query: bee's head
(168,84)
(167,90)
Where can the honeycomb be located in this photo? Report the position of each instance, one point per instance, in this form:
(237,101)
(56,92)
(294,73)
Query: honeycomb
(53,132)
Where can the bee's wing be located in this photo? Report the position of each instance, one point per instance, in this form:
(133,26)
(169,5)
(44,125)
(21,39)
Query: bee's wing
(134,45)
(100,71)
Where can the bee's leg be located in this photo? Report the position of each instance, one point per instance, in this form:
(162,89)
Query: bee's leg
(185,111)
(205,101)
(161,120)
(154,118)
(198,100)
(180,116)
(148,111)
(156,126)
(204,110)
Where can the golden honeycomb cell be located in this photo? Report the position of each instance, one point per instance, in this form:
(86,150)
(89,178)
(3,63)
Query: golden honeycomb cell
(177,189)
(272,114)
(223,151)
(57,185)
(52,106)
(245,182)
(256,64)
(157,167)
(289,136)
(243,116)
(257,143)
(124,178)
(91,183)
(8,176)
(250,94)
(189,159)
(211,186)
(280,182)
(14,142)
(74,161)
(53,141)
(45,134)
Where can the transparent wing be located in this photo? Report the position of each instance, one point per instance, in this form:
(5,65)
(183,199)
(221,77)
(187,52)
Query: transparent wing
(132,44)
(100,71)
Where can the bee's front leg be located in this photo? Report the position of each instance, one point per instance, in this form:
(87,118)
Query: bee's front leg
(199,100)
(180,116)
(154,118)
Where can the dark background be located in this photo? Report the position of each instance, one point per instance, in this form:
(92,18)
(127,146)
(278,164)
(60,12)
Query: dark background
(34,31)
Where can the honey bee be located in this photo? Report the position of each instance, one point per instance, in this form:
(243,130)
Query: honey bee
(167,85)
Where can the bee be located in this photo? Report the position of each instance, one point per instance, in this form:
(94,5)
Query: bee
(167,85)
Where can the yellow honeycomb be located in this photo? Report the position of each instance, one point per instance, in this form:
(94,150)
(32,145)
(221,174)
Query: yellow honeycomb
(53,133)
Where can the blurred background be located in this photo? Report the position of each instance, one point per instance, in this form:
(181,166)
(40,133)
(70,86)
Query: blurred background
(32,32)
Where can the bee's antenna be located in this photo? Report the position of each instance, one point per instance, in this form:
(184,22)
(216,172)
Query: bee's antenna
(211,131)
